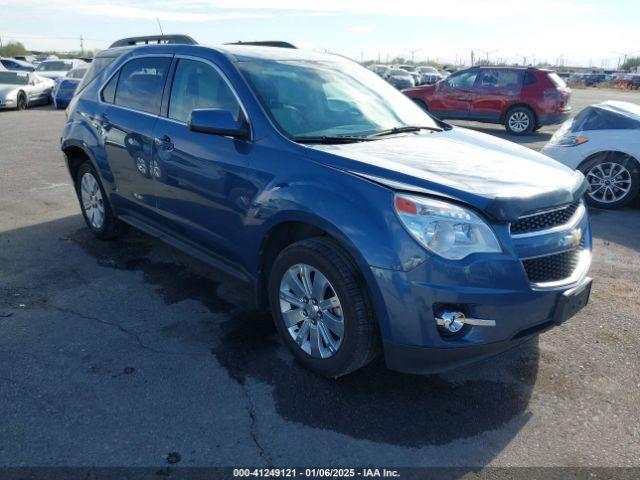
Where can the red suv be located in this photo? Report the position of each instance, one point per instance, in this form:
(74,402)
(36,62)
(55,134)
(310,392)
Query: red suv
(523,99)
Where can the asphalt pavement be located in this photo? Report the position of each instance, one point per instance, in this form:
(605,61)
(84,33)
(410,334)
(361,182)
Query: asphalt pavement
(130,353)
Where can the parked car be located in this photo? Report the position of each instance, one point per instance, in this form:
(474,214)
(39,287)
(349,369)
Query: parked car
(522,99)
(58,68)
(603,142)
(25,58)
(399,78)
(21,90)
(362,221)
(66,86)
(16,65)
(412,71)
(429,75)
(380,70)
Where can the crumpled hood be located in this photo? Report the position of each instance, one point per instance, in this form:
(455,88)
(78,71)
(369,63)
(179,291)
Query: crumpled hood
(494,175)
(6,90)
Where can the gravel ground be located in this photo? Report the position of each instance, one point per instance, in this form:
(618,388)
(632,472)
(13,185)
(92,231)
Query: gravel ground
(129,353)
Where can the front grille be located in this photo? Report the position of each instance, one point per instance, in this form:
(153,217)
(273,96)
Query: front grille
(552,268)
(544,220)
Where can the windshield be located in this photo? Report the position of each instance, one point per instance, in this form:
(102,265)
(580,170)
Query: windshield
(329,98)
(76,73)
(53,66)
(14,78)
(428,70)
(399,73)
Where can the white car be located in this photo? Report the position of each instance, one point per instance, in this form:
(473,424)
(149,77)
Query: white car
(58,68)
(24,89)
(602,141)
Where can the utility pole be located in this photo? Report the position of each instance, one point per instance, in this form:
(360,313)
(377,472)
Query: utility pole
(624,57)
(81,45)
(524,58)
(413,52)
(472,59)
(487,53)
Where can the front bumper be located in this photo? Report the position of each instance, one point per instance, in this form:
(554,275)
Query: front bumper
(8,103)
(488,286)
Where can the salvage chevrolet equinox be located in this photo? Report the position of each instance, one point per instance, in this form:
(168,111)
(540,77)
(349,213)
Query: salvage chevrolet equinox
(365,224)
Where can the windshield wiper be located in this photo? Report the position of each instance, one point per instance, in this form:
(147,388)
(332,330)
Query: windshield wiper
(404,129)
(331,140)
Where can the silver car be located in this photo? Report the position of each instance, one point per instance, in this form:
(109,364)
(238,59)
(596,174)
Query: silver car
(24,89)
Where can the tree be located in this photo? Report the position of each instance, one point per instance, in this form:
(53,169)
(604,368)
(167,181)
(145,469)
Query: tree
(631,63)
(13,48)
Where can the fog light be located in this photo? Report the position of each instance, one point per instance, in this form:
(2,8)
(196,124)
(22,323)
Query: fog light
(450,322)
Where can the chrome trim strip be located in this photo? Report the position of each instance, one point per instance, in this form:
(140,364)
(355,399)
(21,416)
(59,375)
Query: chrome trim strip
(572,223)
(476,322)
(577,276)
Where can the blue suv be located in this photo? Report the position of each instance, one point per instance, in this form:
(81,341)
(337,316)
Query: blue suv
(364,224)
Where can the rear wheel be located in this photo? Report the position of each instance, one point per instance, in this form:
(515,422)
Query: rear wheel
(613,177)
(22,101)
(321,308)
(520,121)
(94,203)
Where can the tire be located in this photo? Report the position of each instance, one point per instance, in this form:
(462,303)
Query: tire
(623,173)
(421,103)
(109,226)
(22,102)
(359,343)
(520,121)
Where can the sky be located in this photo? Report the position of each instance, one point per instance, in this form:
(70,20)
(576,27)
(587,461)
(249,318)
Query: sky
(570,32)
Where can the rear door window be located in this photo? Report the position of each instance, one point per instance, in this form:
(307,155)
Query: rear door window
(141,84)
(500,79)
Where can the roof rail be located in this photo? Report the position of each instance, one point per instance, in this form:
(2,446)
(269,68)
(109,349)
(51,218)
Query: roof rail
(154,39)
(266,43)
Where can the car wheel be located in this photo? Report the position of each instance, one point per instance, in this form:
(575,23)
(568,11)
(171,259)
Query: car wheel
(321,307)
(22,101)
(613,178)
(96,210)
(520,121)
(421,103)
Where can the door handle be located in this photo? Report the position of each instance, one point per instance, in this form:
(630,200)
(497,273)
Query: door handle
(164,142)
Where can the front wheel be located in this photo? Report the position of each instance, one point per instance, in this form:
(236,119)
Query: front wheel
(614,179)
(22,101)
(321,307)
(520,121)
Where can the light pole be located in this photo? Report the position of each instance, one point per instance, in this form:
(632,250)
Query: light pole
(413,53)
(487,53)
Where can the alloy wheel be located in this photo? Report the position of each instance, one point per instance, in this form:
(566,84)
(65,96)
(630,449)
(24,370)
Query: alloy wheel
(519,122)
(22,102)
(311,311)
(92,201)
(608,182)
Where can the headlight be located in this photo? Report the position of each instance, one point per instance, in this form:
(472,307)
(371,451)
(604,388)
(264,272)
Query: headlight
(445,229)
(569,140)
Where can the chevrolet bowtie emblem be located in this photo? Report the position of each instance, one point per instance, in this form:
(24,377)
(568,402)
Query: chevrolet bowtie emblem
(573,239)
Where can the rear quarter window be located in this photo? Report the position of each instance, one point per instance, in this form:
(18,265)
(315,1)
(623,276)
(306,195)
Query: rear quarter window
(96,67)
(557,81)
(529,78)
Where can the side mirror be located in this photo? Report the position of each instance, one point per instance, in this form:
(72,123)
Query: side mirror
(218,122)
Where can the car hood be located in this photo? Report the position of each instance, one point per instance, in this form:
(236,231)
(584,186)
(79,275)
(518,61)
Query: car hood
(499,177)
(6,90)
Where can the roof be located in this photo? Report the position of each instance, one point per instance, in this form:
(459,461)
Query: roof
(238,52)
